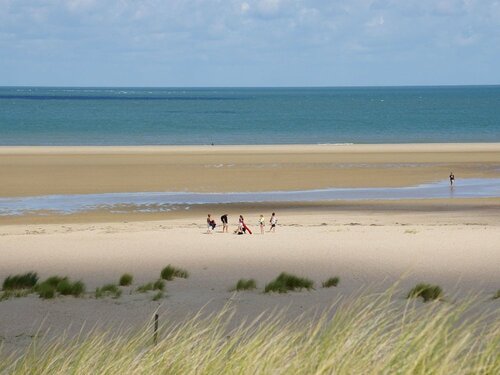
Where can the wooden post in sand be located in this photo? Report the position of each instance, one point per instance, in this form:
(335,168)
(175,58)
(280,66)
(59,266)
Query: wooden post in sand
(155,333)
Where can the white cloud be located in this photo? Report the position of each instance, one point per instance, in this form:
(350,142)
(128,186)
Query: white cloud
(375,22)
(182,33)
(244,7)
(269,7)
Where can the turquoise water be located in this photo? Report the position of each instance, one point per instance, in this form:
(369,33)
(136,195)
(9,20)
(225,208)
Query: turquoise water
(175,116)
(169,201)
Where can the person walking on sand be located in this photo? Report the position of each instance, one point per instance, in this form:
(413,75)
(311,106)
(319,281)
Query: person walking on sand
(261,224)
(273,221)
(452,178)
(225,226)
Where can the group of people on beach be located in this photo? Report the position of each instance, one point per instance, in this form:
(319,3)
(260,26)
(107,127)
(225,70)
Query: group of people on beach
(242,226)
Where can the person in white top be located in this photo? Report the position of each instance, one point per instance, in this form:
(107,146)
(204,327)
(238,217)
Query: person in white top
(261,224)
(273,222)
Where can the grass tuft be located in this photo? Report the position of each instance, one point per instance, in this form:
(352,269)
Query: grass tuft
(23,281)
(55,285)
(332,281)
(126,279)
(286,282)
(169,272)
(428,292)
(157,285)
(158,296)
(46,291)
(108,290)
(497,295)
(245,284)
(18,293)
(55,280)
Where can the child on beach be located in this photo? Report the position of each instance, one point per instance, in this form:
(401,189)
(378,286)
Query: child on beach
(210,224)
(273,222)
(261,224)
(242,228)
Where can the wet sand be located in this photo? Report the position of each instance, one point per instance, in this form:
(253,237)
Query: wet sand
(31,171)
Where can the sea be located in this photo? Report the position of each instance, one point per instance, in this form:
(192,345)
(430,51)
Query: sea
(222,116)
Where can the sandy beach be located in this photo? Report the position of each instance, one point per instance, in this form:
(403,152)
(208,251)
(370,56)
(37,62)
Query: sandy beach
(370,245)
(368,250)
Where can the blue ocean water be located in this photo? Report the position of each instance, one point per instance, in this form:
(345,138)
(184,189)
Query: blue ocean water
(178,116)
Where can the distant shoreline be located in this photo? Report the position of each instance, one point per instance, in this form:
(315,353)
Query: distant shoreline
(272,148)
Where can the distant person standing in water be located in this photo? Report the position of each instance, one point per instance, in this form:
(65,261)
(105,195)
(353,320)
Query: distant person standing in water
(273,221)
(225,226)
(452,178)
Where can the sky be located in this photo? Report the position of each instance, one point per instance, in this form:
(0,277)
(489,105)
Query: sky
(249,43)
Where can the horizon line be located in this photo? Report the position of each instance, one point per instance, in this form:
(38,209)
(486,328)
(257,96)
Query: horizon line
(260,87)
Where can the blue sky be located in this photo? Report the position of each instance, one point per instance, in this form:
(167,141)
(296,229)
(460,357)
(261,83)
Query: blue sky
(249,43)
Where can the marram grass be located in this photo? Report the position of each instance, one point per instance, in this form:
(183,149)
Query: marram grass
(374,334)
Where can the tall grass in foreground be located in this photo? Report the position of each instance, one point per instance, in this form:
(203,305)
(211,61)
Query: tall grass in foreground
(370,335)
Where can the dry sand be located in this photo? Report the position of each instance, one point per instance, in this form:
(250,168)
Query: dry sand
(26,171)
(458,249)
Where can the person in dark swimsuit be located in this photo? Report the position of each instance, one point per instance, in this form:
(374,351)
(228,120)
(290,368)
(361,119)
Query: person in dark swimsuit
(225,226)
(452,178)
(210,224)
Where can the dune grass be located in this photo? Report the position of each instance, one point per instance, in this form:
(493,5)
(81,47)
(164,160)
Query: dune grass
(427,292)
(157,285)
(170,272)
(22,281)
(158,295)
(126,279)
(244,284)
(108,290)
(497,295)
(332,281)
(57,285)
(17,293)
(286,282)
(373,334)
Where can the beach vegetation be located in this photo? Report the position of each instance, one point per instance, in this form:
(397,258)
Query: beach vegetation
(57,285)
(126,279)
(286,282)
(370,334)
(170,272)
(427,292)
(108,290)
(54,281)
(46,291)
(332,281)
(17,293)
(245,284)
(157,285)
(68,288)
(158,296)
(497,295)
(22,281)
